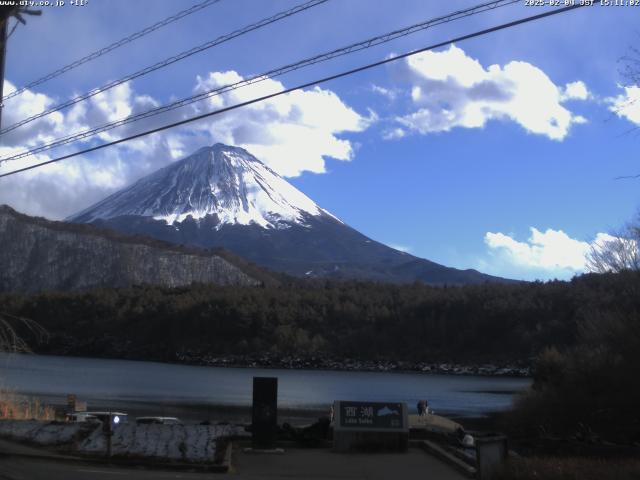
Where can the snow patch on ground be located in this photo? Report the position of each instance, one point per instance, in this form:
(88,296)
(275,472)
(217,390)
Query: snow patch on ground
(181,443)
(44,433)
(184,443)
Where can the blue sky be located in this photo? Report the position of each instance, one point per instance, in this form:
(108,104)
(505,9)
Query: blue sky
(455,156)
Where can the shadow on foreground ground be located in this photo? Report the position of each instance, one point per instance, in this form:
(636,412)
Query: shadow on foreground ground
(320,464)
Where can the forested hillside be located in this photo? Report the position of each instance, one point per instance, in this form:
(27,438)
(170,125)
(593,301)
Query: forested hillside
(476,323)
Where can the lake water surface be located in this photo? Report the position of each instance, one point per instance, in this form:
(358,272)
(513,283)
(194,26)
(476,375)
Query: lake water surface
(100,381)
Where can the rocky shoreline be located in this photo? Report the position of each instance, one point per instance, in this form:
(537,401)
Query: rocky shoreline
(111,347)
(489,369)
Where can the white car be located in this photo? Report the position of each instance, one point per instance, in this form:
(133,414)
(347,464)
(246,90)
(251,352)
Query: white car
(117,417)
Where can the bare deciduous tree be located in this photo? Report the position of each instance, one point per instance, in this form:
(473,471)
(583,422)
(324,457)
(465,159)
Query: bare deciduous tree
(10,338)
(630,67)
(617,252)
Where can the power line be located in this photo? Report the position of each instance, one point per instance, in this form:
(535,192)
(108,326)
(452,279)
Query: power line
(164,63)
(301,86)
(98,53)
(355,47)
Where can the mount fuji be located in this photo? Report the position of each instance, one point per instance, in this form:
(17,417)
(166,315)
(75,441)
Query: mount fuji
(222,196)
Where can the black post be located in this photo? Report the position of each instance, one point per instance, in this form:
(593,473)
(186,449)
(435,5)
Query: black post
(265,412)
(107,428)
(3,53)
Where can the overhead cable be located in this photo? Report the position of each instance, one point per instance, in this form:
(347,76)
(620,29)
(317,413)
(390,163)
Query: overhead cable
(124,41)
(394,58)
(164,63)
(355,47)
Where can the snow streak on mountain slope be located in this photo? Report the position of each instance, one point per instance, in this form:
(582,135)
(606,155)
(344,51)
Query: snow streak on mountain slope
(224,181)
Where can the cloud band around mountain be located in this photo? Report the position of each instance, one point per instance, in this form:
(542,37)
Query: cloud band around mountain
(292,133)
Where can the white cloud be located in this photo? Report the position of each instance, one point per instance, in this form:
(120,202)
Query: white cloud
(575,91)
(292,133)
(302,127)
(394,133)
(627,105)
(390,93)
(552,251)
(401,248)
(451,89)
(27,105)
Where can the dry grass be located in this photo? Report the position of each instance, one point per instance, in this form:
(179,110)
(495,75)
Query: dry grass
(573,468)
(18,407)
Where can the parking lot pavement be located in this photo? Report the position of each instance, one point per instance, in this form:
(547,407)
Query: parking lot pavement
(321,464)
(294,463)
(16,468)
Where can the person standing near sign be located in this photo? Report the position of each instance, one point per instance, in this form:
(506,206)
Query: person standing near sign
(422,408)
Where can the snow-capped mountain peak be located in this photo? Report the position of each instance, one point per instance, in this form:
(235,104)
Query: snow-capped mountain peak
(241,205)
(220,180)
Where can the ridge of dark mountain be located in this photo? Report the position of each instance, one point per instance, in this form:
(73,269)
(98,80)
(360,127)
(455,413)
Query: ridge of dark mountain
(325,249)
(39,254)
(223,196)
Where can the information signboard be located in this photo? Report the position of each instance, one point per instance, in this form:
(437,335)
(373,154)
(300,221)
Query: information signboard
(359,425)
(374,415)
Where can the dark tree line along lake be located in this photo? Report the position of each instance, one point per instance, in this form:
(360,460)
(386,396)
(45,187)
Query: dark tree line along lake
(328,320)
